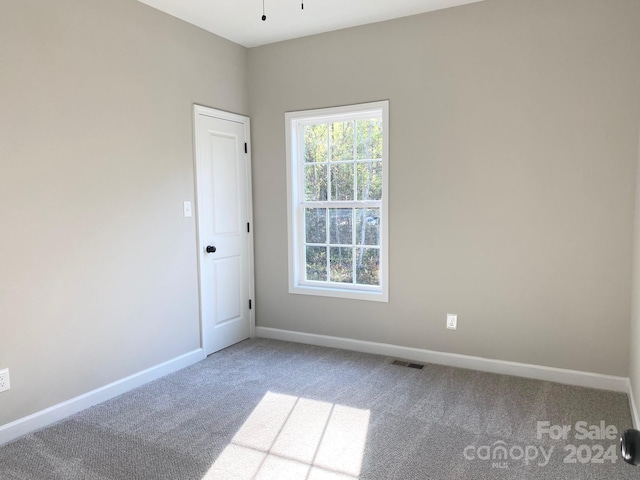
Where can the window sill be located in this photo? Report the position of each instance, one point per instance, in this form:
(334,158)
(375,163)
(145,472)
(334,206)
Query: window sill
(373,296)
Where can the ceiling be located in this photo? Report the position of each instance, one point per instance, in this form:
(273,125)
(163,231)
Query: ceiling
(240,20)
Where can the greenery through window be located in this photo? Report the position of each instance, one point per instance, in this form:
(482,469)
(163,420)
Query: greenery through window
(338,208)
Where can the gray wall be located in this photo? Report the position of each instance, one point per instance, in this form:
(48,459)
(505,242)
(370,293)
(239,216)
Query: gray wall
(513,150)
(514,141)
(634,369)
(98,266)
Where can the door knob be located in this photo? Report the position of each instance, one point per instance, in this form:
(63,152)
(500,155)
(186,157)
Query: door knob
(210,249)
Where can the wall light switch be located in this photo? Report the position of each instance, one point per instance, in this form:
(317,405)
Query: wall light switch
(187,209)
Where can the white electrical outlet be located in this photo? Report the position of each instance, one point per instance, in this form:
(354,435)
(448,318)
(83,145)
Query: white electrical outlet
(452,321)
(4,380)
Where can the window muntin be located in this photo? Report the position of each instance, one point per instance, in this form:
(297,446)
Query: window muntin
(337,164)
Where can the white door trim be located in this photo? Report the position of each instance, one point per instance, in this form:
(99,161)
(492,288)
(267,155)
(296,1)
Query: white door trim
(246,121)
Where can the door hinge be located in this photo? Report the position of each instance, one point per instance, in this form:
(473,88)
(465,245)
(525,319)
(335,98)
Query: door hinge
(246,150)
(249,304)
(248,227)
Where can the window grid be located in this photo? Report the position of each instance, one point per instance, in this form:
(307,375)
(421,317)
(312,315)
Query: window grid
(328,193)
(356,249)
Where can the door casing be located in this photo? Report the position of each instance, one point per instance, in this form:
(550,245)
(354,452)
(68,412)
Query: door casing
(199,110)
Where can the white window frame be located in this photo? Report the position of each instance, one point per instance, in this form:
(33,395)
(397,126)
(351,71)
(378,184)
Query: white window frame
(294,123)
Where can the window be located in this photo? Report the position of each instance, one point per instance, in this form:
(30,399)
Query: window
(337,176)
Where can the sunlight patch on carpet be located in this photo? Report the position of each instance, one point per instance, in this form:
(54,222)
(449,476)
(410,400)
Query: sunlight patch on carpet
(295,438)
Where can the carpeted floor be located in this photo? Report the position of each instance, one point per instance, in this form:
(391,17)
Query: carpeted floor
(265,409)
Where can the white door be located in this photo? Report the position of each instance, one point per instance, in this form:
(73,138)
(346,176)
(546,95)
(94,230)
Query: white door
(225,246)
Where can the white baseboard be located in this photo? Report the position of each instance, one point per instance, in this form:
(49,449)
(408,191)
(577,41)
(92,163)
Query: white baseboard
(44,418)
(633,407)
(48,416)
(558,375)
